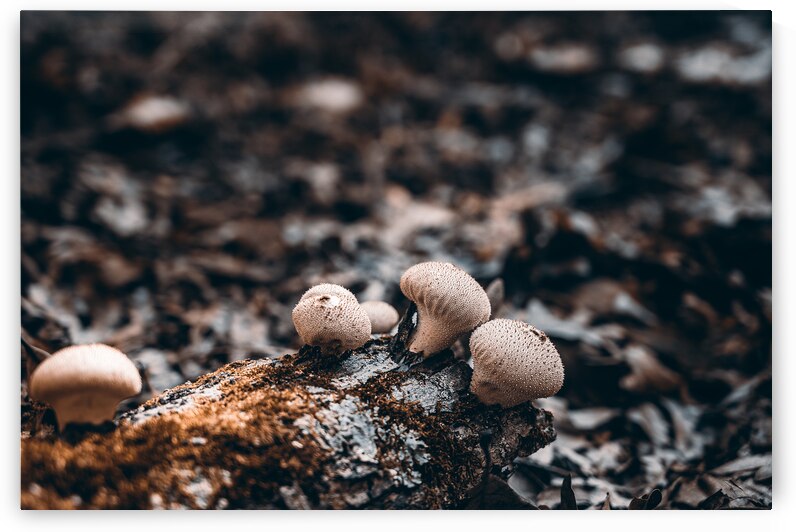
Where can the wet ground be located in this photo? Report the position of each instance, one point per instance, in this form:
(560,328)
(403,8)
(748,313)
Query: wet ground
(185,177)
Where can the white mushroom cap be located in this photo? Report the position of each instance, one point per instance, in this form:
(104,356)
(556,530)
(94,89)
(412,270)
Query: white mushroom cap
(328,288)
(329,316)
(449,302)
(513,362)
(383,316)
(84,383)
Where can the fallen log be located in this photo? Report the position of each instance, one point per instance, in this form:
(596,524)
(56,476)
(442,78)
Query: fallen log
(360,430)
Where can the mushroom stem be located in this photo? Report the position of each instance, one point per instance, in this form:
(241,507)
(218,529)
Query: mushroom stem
(428,344)
(84,407)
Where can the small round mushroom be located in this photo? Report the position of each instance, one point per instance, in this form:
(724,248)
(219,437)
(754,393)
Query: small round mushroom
(85,383)
(383,316)
(449,302)
(329,316)
(513,362)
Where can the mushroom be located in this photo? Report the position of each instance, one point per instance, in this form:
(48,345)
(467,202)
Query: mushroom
(513,362)
(85,383)
(383,316)
(449,302)
(329,316)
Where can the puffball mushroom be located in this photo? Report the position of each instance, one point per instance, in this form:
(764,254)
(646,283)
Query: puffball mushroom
(329,316)
(513,362)
(85,383)
(449,302)
(383,316)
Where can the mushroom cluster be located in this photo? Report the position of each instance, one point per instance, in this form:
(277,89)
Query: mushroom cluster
(330,317)
(513,362)
(85,383)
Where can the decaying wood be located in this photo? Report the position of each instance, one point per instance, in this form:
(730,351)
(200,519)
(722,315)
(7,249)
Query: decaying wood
(362,430)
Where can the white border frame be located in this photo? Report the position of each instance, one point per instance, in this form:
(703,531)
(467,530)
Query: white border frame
(784,248)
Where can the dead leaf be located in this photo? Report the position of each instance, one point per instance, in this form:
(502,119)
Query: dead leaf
(648,374)
(745,463)
(591,418)
(606,505)
(649,418)
(647,501)
(568,501)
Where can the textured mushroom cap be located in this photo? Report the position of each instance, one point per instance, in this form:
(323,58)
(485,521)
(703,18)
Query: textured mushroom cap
(513,362)
(330,317)
(383,316)
(449,302)
(82,369)
(328,288)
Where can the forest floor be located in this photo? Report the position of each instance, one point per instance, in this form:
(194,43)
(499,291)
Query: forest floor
(185,177)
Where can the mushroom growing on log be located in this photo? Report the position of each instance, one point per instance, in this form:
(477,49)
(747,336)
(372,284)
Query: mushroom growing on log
(383,316)
(85,383)
(328,316)
(513,362)
(357,430)
(450,304)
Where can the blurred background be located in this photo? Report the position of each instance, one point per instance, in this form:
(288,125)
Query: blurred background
(186,176)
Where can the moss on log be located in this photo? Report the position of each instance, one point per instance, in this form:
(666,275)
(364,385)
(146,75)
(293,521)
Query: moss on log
(362,430)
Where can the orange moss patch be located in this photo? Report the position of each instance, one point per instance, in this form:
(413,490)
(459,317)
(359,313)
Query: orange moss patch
(143,464)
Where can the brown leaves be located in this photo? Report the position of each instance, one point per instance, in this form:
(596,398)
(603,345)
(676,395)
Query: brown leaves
(568,501)
(648,501)
(648,374)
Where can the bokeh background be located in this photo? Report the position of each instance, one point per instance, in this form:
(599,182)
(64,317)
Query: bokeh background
(186,176)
